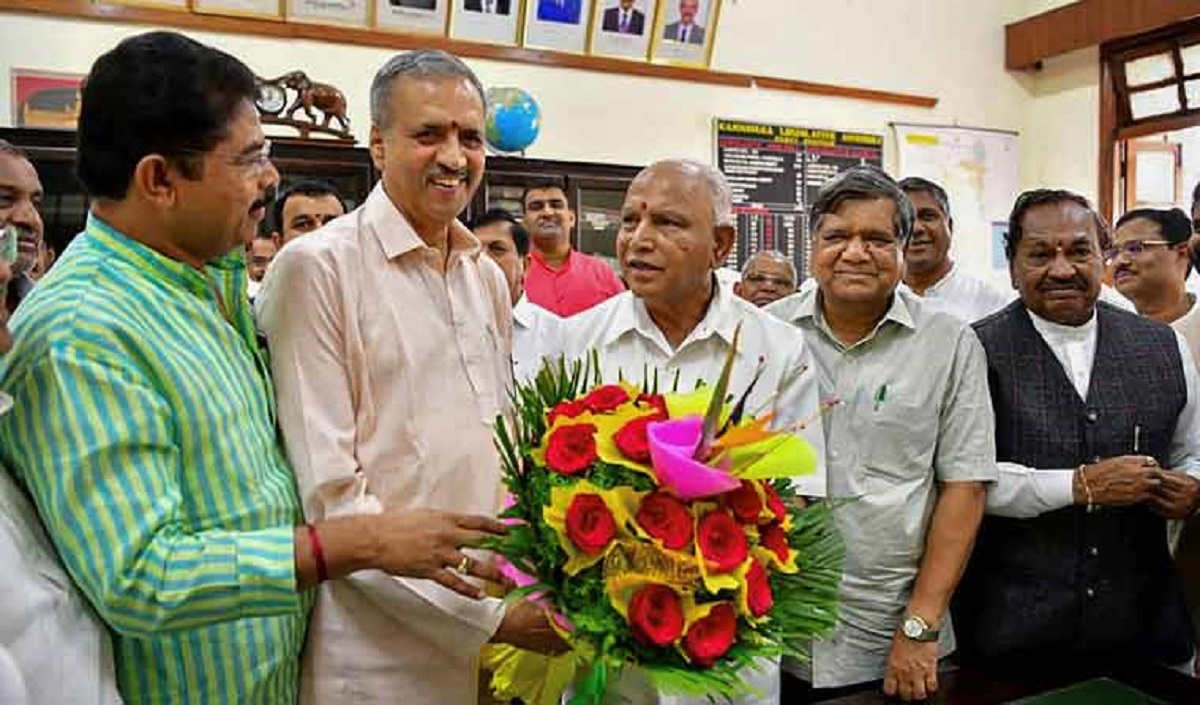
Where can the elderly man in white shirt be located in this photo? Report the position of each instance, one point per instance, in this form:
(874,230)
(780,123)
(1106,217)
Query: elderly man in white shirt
(929,271)
(1097,432)
(535,330)
(676,229)
(53,648)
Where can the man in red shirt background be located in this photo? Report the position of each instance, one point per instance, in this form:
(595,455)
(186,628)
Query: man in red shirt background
(560,278)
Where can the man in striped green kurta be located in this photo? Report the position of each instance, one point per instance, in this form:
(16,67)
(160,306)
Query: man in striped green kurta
(144,422)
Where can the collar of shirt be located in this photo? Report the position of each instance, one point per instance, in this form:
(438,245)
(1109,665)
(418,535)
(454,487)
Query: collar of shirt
(631,316)
(1073,346)
(944,281)
(536,257)
(397,236)
(151,262)
(807,305)
(523,312)
(1056,334)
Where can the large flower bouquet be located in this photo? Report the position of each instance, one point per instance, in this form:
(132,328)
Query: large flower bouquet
(662,532)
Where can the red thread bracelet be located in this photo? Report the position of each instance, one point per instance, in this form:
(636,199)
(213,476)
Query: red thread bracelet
(314,541)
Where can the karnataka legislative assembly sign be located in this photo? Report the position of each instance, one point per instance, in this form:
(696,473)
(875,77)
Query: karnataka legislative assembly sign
(775,172)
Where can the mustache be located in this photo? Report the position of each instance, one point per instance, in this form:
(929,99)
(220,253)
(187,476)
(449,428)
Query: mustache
(266,199)
(1074,284)
(442,171)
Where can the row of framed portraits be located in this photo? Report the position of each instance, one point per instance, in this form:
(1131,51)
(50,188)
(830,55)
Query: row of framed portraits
(664,31)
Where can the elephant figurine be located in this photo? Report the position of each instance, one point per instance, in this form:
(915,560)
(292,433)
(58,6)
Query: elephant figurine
(312,94)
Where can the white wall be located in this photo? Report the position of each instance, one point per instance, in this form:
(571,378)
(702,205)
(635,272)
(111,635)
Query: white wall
(950,49)
(954,49)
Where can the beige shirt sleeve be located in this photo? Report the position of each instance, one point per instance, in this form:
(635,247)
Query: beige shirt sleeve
(304,310)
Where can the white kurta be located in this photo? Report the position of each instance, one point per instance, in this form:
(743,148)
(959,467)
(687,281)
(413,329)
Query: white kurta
(535,338)
(53,648)
(963,296)
(389,374)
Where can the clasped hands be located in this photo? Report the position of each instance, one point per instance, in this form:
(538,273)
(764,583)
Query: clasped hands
(1137,479)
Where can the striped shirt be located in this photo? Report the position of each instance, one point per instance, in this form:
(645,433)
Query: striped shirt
(144,428)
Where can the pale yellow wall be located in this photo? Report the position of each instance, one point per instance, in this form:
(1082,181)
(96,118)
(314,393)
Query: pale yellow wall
(951,49)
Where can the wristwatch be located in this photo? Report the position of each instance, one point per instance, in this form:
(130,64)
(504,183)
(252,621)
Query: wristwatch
(918,629)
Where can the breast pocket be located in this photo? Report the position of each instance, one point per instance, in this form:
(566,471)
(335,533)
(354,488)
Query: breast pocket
(900,439)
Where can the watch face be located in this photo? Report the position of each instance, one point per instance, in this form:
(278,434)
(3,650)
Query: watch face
(913,628)
(271,98)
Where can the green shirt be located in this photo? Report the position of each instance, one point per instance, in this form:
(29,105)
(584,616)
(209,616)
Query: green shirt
(144,428)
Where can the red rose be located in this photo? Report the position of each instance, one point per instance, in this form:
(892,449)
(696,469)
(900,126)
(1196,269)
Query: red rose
(657,401)
(744,502)
(774,503)
(590,523)
(631,440)
(722,541)
(571,449)
(758,590)
(710,638)
(566,409)
(665,517)
(606,398)
(656,616)
(774,539)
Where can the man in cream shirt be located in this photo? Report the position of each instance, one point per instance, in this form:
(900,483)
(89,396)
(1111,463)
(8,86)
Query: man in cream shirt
(676,228)
(390,333)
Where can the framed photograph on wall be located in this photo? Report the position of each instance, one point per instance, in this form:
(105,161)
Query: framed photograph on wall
(264,9)
(684,32)
(622,28)
(45,99)
(354,13)
(492,21)
(561,25)
(157,4)
(415,16)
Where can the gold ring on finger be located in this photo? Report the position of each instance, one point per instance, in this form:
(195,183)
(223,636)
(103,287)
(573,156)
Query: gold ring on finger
(464,565)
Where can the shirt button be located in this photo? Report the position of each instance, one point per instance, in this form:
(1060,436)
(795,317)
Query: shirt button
(1092,416)
(1090,592)
(1093,551)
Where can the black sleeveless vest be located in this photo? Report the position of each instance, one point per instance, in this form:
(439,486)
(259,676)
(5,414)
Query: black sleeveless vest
(1069,583)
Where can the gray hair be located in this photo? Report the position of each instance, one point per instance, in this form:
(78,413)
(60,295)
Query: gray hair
(420,63)
(719,192)
(916,184)
(862,183)
(772,255)
(11,149)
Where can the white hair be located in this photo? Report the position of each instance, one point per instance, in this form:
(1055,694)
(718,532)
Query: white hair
(719,192)
(772,255)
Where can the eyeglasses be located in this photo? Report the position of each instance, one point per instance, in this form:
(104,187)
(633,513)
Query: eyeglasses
(763,279)
(1133,248)
(257,161)
(9,237)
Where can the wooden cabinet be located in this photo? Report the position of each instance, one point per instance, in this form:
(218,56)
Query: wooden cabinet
(594,190)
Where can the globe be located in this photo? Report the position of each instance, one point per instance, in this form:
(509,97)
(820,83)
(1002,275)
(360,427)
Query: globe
(513,119)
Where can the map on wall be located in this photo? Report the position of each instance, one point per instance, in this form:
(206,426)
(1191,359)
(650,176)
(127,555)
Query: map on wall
(977,167)
(775,171)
